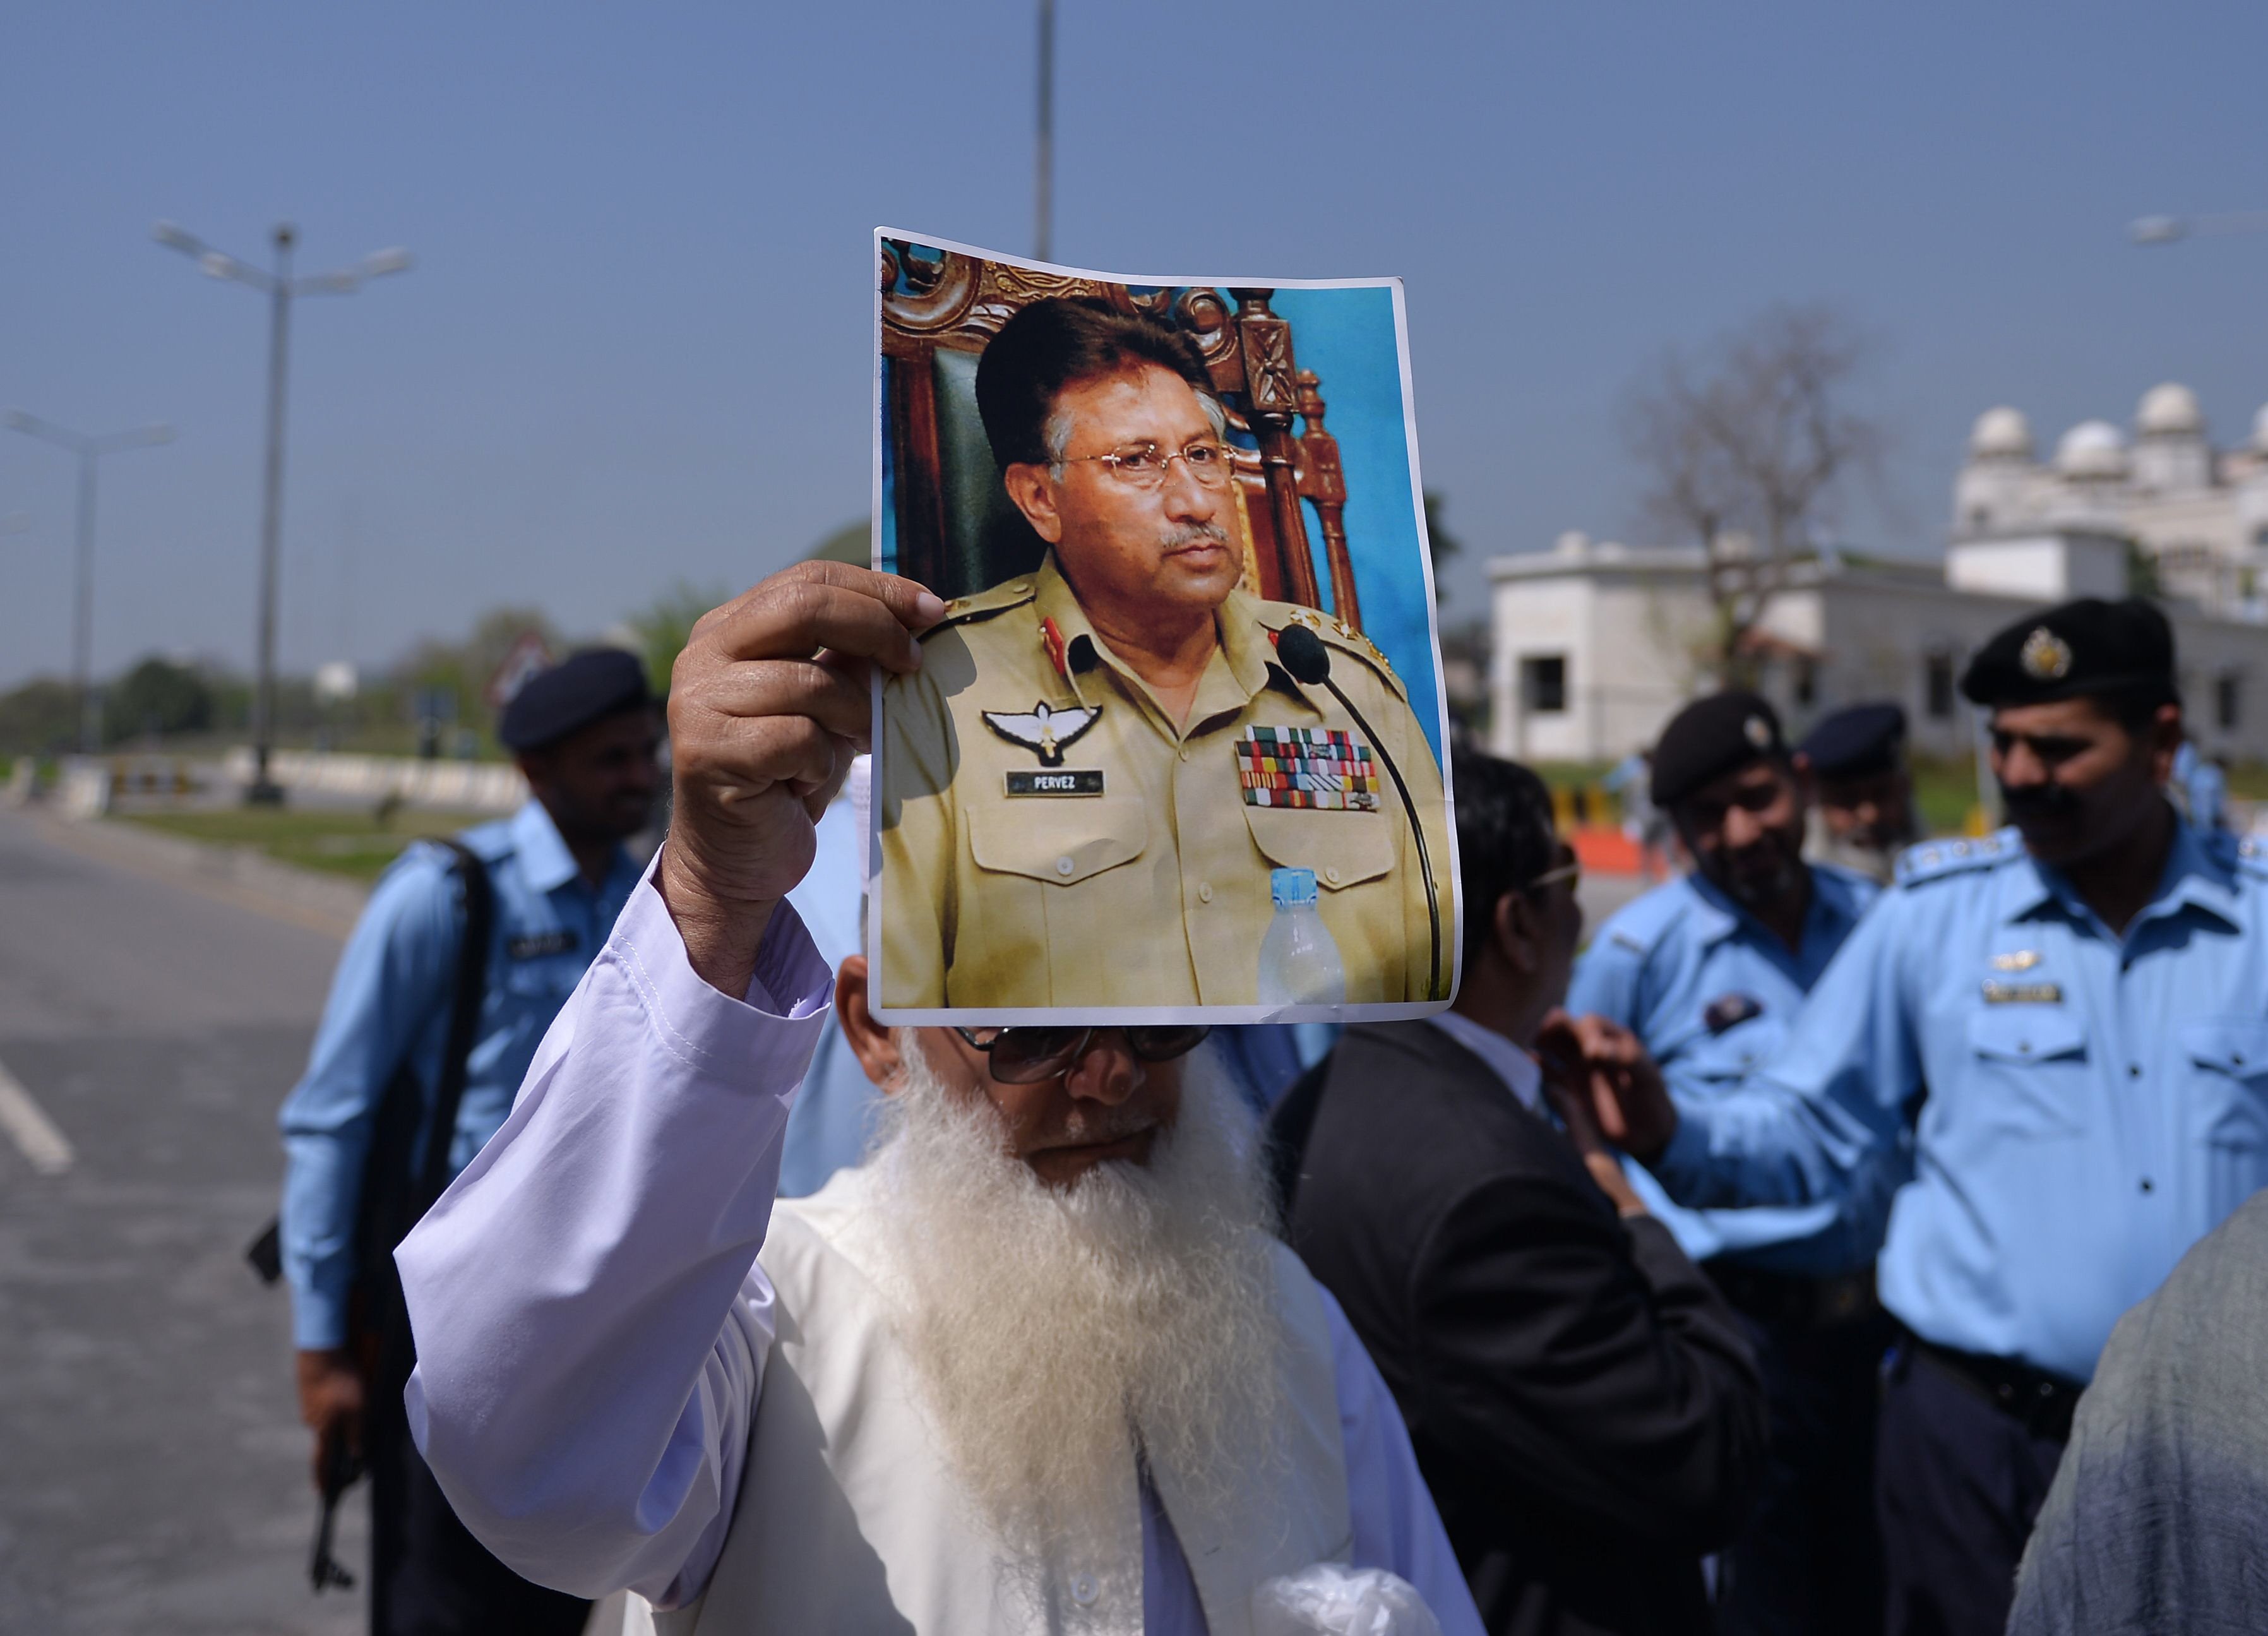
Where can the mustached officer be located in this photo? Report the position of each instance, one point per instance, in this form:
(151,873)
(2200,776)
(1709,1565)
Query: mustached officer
(2068,1023)
(1710,971)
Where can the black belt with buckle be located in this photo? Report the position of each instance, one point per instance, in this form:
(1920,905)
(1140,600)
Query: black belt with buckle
(2040,1403)
(1779,1298)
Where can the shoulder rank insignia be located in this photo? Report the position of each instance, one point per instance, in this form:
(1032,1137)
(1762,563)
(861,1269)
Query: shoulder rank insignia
(1046,732)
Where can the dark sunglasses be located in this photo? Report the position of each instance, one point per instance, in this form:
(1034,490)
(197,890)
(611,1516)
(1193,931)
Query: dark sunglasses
(1027,1056)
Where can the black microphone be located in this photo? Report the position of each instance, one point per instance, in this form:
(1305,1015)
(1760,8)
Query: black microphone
(1309,661)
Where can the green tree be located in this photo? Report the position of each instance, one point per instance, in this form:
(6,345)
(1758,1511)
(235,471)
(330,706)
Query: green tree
(664,625)
(38,718)
(1440,541)
(157,699)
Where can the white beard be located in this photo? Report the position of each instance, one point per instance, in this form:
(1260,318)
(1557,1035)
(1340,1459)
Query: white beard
(1062,1332)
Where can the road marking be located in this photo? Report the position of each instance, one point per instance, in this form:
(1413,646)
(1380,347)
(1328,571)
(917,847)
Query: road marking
(47,1148)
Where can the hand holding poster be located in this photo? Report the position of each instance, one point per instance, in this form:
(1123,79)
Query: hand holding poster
(1175,753)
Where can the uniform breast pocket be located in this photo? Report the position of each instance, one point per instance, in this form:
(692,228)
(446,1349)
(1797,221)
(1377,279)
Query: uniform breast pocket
(2031,1064)
(1343,848)
(1061,841)
(1725,1059)
(2228,1065)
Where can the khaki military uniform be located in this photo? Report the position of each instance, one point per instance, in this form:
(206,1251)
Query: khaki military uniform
(1051,838)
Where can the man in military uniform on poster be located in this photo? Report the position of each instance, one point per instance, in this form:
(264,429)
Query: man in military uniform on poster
(1709,972)
(1862,811)
(1088,784)
(2068,1022)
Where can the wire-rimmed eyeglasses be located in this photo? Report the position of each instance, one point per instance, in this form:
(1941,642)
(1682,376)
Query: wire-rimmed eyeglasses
(1143,465)
(1027,1056)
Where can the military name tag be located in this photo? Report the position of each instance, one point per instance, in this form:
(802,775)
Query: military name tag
(1071,781)
(535,944)
(1317,768)
(2024,993)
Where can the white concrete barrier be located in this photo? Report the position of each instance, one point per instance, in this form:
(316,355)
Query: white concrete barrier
(454,786)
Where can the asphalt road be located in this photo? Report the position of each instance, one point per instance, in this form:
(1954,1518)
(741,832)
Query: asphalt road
(152,1469)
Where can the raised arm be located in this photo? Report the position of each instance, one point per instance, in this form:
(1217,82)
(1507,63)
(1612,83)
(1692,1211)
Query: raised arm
(591,1324)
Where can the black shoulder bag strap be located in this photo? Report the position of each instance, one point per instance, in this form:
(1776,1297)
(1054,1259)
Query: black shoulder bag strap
(470,990)
(394,1193)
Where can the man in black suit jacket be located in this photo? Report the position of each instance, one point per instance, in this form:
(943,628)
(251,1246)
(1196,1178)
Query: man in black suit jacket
(1582,1402)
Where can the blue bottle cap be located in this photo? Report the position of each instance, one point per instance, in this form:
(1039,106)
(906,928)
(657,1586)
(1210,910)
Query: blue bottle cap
(1292,888)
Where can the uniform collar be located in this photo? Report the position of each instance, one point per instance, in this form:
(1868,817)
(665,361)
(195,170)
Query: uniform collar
(1834,909)
(1248,656)
(544,860)
(2196,876)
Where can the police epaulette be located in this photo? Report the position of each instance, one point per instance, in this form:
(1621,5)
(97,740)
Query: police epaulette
(1933,860)
(975,610)
(2252,854)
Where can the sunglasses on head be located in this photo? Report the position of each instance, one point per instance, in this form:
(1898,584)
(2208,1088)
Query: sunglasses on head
(1027,1056)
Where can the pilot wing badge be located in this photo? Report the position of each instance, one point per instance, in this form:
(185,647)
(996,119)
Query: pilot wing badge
(1046,732)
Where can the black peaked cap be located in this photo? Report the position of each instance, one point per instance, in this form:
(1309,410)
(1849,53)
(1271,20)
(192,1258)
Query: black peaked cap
(1710,738)
(2087,646)
(578,691)
(1856,740)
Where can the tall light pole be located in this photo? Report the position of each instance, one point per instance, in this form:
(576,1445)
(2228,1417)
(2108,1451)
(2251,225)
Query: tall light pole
(89,450)
(279,287)
(1044,159)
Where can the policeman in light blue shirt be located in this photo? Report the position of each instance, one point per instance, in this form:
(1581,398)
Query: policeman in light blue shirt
(2070,1022)
(1709,972)
(585,734)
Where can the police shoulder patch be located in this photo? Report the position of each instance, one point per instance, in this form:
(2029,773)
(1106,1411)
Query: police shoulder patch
(1934,860)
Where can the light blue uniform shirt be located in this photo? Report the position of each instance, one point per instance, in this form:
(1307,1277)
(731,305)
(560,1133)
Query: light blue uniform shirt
(2083,1107)
(389,1003)
(1711,993)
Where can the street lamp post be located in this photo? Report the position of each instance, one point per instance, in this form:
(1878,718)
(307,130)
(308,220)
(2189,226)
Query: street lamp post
(1043,178)
(89,450)
(279,287)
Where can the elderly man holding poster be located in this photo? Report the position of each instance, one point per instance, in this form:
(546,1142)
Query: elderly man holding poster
(1113,777)
(1036,1366)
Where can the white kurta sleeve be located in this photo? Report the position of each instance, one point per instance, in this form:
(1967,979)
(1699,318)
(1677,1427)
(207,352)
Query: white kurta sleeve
(591,1324)
(1396,1526)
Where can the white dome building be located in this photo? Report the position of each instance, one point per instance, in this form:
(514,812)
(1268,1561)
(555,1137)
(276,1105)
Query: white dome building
(2171,455)
(2003,434)
(2091,451)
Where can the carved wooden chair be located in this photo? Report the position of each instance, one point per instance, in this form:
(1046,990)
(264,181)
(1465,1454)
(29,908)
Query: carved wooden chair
(956,530)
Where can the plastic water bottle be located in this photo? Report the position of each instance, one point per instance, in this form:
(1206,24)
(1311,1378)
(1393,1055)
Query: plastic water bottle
(1298,963)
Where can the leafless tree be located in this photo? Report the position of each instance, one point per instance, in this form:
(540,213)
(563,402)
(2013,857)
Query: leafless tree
(1749,448)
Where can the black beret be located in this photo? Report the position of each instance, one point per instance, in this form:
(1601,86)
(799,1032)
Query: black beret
(1857,740)
(571,696)
(1710,738)
(2087,646)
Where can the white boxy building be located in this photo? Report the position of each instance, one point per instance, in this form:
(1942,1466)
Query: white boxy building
(1593,645)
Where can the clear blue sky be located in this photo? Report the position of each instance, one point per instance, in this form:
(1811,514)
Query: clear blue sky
(635,347)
